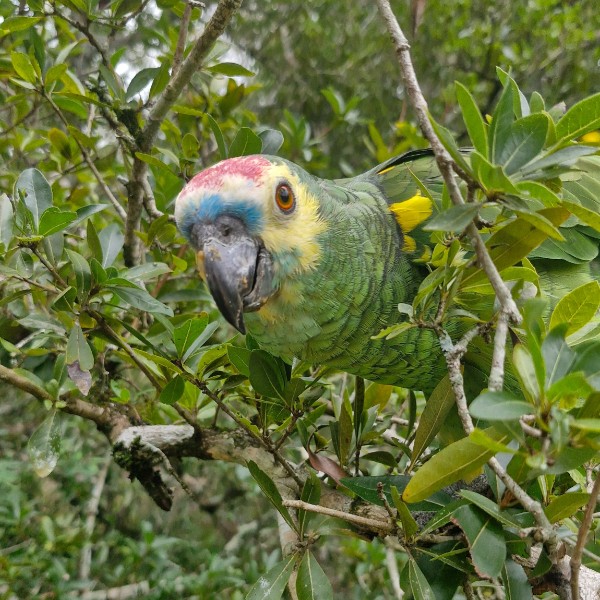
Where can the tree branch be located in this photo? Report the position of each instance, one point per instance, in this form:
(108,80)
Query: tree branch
(582,534)
(443,159)
(192,63)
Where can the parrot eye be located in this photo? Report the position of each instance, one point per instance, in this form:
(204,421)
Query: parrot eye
(285,198)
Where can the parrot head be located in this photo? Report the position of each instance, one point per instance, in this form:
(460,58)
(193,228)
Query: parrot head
(254,224)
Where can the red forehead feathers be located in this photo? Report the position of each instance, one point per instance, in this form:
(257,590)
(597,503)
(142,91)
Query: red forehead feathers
(250,167)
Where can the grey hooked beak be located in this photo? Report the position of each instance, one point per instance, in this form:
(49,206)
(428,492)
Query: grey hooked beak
(238,269)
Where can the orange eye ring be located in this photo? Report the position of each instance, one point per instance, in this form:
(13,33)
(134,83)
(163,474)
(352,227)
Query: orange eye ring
(285,198)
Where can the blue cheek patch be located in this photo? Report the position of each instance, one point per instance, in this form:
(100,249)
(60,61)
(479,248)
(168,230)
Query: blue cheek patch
(213,206)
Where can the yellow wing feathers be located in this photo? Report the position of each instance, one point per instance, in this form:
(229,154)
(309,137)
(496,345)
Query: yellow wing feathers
(412,212)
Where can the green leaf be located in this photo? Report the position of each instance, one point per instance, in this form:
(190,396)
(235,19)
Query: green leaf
(111,241)
(60,141)
(173,391)
(271,492)
(79,350)
(272,140)
(245,142)
(54,219)
(500,127)
(230,69)
(577,308)
(492,177)
(456,218)
(6,220)
(558,357)
(513,242)
(38,193)
(44,446)
(240,359)
(582,117)
(434,414)
(526,372)
(23,66)
(474,122)
(186,335)
(499,406)
(311,493)
(585,215)
(271,585)
(367,488)
(267,374)
(565,506)
(452,463)
(486,540)
(312,583)
(218,136)
(491,508)
(140,80)
(419,586)
(13,24)
(526,140)
(409,526)
(516,583)
(141,299)
(83,273)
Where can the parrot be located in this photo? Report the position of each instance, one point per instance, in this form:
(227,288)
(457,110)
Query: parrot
(315,269)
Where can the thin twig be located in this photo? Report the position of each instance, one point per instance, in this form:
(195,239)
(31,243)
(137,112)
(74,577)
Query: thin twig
(88,159)
(190,65)
(181,40)
(122,343)
(85,560)
(392,568)
(11,377)
(375,524)
(49,267)
(444,160)
(582,534)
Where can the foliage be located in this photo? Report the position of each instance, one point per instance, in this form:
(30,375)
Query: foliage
(94,327)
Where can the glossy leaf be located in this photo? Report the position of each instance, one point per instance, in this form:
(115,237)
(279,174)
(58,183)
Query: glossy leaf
(267,374)
(367,488)
(474,122)
(139,298)
(272,584)
(185,335)
(434,414)
(419,586)
(270,490)
(516,582)
(312,583)
(173,391)
(577,308)
(456,218)
(245,142)
(37,191)
(240,359)
(558,357)
(491,508)
(111,241)
(486,540)
(498,406)
(311,493)
(54,220)
(44,446)
(78,349)
(452,463)
(565,506)
(582,117)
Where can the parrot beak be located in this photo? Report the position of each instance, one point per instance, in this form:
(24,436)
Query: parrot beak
(237,267)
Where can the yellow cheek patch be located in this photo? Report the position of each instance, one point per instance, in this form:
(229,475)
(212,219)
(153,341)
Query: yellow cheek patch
(412,212)
(298,231)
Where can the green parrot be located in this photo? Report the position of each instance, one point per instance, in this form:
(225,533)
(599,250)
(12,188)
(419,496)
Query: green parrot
(315,269)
